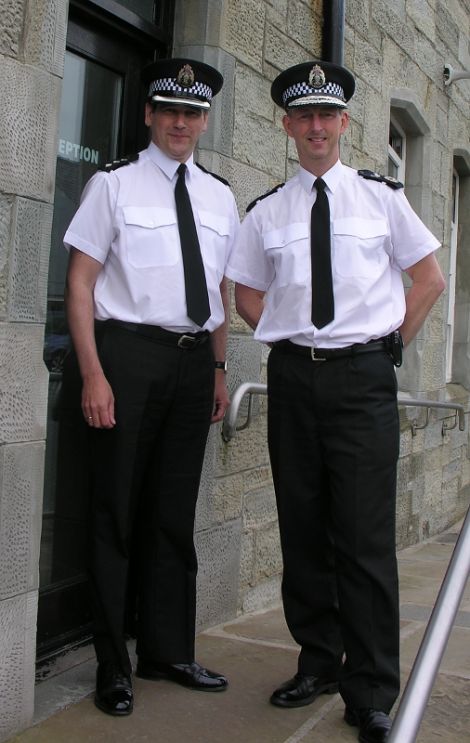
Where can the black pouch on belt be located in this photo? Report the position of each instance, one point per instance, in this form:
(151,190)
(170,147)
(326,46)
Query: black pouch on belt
(394,346)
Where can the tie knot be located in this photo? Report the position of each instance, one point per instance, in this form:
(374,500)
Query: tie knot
(181,170)
(320,184)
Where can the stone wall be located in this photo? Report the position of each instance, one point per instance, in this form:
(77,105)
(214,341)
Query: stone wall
(397,52)
(32,44)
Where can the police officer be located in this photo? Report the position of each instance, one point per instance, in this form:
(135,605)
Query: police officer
(318,267)
(147,308)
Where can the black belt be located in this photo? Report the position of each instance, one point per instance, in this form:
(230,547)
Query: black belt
(327,354)
(185,341)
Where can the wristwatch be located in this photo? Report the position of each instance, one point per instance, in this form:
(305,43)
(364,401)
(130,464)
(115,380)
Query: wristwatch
(221,365)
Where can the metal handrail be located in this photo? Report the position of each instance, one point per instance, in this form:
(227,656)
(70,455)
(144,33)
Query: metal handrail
(425,668)
(421,680)
(230,427)
(428,404)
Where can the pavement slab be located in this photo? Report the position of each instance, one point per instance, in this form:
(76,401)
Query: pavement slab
(257,653)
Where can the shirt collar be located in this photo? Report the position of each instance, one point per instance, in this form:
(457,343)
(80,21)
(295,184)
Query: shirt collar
(167,164)
(332,177)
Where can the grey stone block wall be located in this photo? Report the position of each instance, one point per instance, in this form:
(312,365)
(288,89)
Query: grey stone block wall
(397,53)
(32,48)
(18,652)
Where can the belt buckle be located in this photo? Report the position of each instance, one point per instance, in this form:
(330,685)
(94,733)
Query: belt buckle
(316,358)
(187,341)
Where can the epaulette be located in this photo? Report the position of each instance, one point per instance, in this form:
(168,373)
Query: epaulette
(264,196)
(388,179)
(115,164)
(214,175)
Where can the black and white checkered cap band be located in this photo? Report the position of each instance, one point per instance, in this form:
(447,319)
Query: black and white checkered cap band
(169,85)
(298,90)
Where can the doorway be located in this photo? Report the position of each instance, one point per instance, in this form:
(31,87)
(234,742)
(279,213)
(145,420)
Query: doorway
(101,118)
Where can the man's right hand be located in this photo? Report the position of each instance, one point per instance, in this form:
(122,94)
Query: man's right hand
(98,401)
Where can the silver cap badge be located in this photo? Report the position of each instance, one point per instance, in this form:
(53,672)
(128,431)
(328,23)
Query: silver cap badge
(185,76)
(316,77)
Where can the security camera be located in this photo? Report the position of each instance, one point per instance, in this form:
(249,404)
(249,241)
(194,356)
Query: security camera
(450,75)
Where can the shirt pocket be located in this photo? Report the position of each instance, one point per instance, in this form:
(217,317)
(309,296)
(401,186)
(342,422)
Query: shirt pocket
(287,248)
(151,236)
(360,246)
(214,239)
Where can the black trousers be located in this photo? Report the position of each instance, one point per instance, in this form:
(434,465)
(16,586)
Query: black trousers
(145,479)
(333,439)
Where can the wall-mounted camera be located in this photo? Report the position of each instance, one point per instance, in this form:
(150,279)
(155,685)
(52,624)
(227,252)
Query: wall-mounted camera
(450,75)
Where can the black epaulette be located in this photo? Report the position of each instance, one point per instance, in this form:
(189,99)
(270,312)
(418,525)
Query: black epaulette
(115,164)
(388,179)
(214,175)
(263,196)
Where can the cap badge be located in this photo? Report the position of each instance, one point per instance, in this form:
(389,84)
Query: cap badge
(316,77)
(185,76)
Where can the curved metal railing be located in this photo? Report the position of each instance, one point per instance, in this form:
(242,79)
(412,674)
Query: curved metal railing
(426,666)
(230,428)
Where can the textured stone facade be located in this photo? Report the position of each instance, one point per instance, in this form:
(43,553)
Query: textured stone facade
(32,46)
(397,50)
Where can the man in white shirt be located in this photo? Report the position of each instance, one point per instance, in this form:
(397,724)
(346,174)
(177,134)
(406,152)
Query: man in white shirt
(318,265)
(147,307)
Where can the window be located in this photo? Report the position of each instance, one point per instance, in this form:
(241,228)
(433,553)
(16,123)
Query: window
(142,8)
(409,160)
(396,151)
(458,315)
(454,227)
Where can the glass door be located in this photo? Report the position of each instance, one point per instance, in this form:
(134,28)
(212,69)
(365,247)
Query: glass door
(88,137)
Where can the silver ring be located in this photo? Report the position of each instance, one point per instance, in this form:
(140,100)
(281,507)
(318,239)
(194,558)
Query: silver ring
(90,418)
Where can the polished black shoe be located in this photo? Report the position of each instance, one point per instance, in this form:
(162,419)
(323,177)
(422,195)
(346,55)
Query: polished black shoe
(113,691)
(302,690)
(374,725)
(187,674)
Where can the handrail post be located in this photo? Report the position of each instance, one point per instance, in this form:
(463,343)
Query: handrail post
(229,426)
(415,697)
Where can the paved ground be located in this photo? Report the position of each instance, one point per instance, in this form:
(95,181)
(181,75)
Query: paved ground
(256,652)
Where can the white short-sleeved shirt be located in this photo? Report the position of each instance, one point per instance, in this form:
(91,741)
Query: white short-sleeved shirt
(375,235)
(127,221)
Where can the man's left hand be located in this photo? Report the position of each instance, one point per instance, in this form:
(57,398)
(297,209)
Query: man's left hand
(221,398)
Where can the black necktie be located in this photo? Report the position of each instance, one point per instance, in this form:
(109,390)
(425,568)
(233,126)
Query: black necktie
(197,300)
(323,305)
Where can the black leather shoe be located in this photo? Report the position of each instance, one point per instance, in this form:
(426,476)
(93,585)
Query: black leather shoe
(113,691)
(187,674)
(302,690)
(374,725)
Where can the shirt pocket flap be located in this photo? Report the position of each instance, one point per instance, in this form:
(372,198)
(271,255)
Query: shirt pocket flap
(362,228)
(148,216)
(215,222)
(287,234)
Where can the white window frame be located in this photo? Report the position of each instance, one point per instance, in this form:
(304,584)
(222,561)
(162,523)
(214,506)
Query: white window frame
(454,230)
(399,162)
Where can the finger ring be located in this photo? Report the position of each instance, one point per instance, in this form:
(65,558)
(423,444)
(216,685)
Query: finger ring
(90,418)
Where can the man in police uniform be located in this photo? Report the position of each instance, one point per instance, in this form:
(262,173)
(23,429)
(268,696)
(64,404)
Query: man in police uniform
(333,428)
(147,308)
